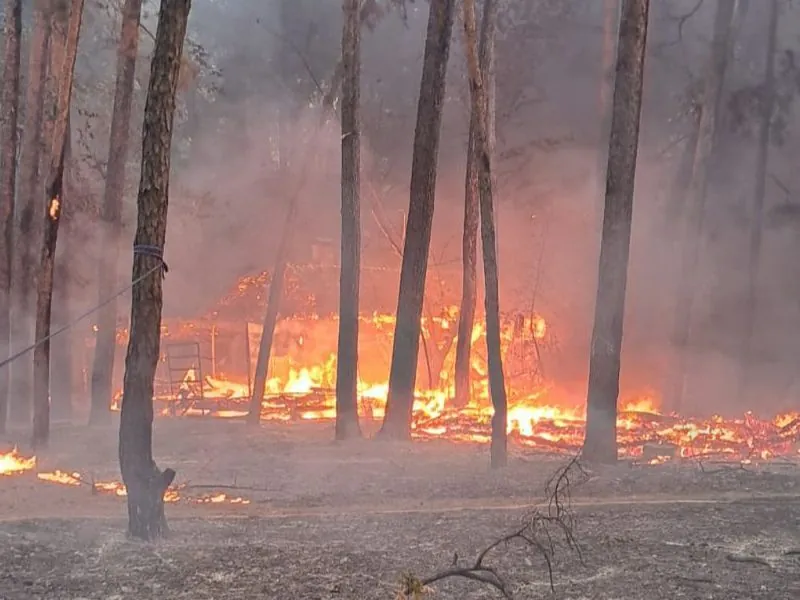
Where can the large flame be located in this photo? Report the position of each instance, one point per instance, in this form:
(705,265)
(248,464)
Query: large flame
(303,378)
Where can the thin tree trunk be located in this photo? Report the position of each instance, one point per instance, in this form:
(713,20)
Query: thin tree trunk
(26,240)
(105,341)
(600,443)
(271,316)
(347,425)
(757,218)
(54,198)
(724,25)
(481,121)
(403,372)
(145,482)
(469,243)
(12,32)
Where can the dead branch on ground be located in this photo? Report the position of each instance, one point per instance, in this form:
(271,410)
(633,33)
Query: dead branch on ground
(540,531)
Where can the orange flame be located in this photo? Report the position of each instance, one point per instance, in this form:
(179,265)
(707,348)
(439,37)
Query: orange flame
(13,463)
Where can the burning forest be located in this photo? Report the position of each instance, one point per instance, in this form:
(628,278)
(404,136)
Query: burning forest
(325,292)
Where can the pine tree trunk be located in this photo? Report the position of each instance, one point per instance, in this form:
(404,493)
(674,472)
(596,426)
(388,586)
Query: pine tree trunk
(27,228)
(12,33)
(469,243)
(54,198)
(725,24)
(271,316)
(145,482)
(347,425)
(757,217)
(60,401)
(105,341)
(610,24)
(482,123)
(403,372)
(600,444)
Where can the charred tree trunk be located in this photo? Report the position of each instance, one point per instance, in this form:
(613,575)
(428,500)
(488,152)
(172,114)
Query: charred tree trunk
(271,316)
(54,198)
(469,244)
(12,33)
(60,403)
(757,217)
(724,26)
(347,425)
(600,444)
(26,240)
(105,341)
(145,482)
(483,152)
(403,373)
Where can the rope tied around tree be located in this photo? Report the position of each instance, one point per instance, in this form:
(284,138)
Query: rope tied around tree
(154,252)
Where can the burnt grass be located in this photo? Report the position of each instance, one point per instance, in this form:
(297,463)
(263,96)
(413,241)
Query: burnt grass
(346,521)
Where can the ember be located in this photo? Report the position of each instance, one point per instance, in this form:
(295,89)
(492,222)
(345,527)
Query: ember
(12,463)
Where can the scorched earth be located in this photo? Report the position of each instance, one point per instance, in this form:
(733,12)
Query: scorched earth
(281,512)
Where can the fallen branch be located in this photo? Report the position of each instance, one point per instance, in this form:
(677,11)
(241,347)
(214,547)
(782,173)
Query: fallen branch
(539,531)
(745,558)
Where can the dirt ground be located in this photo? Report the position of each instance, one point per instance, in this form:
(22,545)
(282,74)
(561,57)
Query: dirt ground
(345,521)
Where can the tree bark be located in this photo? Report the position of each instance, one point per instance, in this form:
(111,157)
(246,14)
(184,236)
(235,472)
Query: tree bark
(105,341)
(271,316)
(347,425)
(600,443)
(610,24)
(12,33)
(483,151)
(469,243)
(724,25)
(403,372)
(145,482)
(60,402)
(757,217)
(26,240)
(54,198)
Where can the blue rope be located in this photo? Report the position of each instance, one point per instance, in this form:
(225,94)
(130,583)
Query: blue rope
(154,252)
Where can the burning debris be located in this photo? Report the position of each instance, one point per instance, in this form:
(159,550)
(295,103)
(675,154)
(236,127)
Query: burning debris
(303,379)
(13,463)
(175,493)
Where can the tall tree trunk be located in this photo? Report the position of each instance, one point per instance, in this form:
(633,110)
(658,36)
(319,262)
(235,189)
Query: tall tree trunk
(145,482)
(60,403)
(26,240)
(483,153)
(347,425)
(105,341)
(724,25)
(610,24)
(54,198)
(469,243)
(12,32)
(403,372)
(600,443)
(271,316)
(757,217)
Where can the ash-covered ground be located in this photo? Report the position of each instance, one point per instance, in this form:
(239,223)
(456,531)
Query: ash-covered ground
(346,521)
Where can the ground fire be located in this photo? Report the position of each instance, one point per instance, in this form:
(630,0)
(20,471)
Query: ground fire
(13,463)
(302,379)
